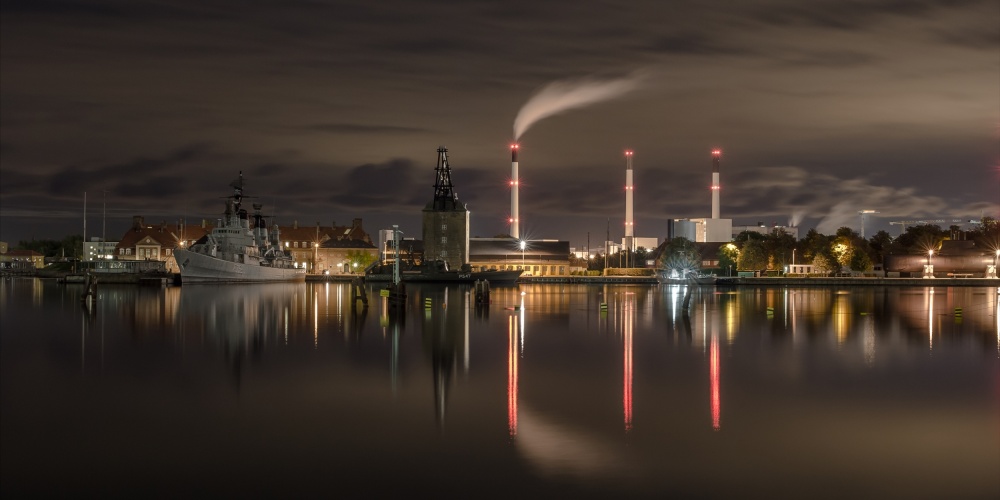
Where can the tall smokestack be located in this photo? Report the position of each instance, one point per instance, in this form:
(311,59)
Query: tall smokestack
(716,155)
(629,188)
(515,221)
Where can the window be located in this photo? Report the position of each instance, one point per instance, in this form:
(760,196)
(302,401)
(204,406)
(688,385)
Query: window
(444,227)
(444,240)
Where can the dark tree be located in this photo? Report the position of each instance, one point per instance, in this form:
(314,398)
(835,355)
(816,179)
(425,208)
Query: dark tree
(880,243)
(753,256)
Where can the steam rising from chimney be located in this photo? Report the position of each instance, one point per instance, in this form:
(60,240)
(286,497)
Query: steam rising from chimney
(561,96)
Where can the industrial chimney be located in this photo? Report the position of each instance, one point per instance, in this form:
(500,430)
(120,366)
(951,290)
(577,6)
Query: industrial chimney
(716,155)
(515,222)
(629,188)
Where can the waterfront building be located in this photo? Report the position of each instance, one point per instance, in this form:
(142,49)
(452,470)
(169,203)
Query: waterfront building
(536,257)
(96,249)
(23,257)
(954,259)
(539,257)
(318,248)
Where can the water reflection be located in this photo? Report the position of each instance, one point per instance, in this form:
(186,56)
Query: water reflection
(847,369)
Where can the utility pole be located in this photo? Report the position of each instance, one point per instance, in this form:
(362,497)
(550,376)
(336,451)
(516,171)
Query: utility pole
(607,238)
(83,250)
(104,222)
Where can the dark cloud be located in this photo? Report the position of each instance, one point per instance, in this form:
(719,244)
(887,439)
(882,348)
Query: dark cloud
(269,169)
(156,189)
(691,44)
(830,59)
(333,109)
(75,179)
(854,14)
(388,185)
(356,128)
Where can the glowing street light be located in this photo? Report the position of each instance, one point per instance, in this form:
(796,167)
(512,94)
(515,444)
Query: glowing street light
(524,245)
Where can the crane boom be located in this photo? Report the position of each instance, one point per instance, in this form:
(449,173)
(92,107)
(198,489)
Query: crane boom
(903,223)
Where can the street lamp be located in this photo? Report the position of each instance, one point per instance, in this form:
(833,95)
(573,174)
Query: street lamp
(524,245)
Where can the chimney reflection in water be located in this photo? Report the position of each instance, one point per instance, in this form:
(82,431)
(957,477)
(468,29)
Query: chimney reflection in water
(512,355)
(714,377)
(628,322)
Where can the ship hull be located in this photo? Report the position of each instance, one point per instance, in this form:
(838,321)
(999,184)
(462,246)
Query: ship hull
(201,268)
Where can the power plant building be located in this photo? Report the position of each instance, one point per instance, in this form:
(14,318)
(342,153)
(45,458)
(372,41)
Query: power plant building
(713,230)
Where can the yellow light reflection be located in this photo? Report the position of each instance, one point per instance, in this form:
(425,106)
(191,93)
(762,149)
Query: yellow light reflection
(841,317)
(930,319)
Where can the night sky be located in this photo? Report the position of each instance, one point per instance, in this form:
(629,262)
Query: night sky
(334,111)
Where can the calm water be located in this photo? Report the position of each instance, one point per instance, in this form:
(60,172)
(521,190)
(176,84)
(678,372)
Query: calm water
(287,391)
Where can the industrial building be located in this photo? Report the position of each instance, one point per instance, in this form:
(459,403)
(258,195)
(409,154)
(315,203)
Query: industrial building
(445,234)
(701,230)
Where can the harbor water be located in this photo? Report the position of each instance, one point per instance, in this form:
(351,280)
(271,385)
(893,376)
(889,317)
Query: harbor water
(546,391)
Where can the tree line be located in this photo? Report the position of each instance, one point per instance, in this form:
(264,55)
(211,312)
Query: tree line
(846,249)
(70,247)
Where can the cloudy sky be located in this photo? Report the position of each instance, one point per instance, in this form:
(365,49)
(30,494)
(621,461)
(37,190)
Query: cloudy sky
(333,110)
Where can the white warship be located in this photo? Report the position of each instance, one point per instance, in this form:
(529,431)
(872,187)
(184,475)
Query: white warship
(238,251)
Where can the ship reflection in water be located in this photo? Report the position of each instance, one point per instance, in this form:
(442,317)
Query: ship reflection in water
(607,390)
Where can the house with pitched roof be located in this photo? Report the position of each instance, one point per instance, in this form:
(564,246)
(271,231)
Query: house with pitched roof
(23,257)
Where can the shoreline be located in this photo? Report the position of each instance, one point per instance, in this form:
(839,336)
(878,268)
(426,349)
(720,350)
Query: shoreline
(770,281)
(174,280)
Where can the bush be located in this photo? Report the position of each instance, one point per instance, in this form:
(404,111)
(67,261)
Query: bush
(628,271)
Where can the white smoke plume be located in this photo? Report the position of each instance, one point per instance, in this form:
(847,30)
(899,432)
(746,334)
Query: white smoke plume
(561,96)
(797,215)
(834,202)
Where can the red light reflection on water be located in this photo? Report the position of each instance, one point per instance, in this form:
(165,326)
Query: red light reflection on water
(627,375)
(512,375)
(714,375)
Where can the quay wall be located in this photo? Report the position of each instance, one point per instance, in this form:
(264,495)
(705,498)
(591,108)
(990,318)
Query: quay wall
(774,281)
